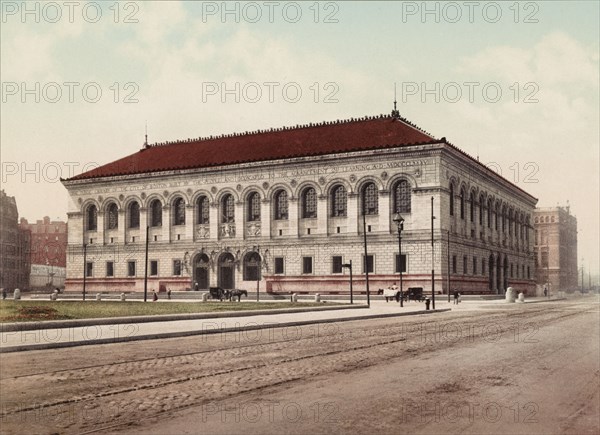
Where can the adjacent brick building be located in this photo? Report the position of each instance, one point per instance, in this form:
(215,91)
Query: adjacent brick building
(288,206)
(556,248)
(14,248)
(48,252)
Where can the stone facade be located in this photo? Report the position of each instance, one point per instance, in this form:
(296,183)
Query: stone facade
(15,246)
(556,248)
(293,218)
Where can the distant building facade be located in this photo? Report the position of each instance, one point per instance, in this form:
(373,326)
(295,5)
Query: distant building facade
(48,256)
(288,207)
(556,248)
(15,246)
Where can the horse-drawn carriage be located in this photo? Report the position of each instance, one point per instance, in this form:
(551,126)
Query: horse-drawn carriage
(221,293)
(412,294)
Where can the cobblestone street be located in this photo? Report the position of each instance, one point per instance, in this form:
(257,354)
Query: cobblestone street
(530,368)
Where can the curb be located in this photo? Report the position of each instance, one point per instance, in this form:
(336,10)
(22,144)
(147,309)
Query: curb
(43,346)
(55,324)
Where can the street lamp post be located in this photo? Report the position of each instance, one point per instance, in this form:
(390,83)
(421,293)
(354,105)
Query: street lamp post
(432,260)
(84,267)
(400,223)
(349,266)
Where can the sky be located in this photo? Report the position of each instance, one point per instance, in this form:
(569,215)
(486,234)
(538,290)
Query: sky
(515,83)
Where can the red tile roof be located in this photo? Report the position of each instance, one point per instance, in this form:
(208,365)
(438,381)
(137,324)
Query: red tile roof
(361,134)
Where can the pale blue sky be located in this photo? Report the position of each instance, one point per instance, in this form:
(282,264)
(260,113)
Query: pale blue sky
(172,52)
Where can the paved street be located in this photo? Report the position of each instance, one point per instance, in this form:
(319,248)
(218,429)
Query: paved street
(482,368)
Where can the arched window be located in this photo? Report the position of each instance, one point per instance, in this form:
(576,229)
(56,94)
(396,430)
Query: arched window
(339,201)
(253,205)
(134,215)
(113,217)
(179,212)
(202,210)
(472,209)
(481,208)
(504,219)
(155,213)
(451,199)
(91,217)
(490,210)
(252,262)
(281,205)
(462,203)
(228,209)
(402,197)
(309,203)
(370,199)
(510,222)
(498,217)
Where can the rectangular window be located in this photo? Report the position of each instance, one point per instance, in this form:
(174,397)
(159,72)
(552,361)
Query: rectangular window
(454,264)
(279,270)
(110,268)
(177,267)
(307,265)
(512,272)
(89,269)
(465,265)
(528,272)
(474,266)
(153,267)
(370,263)
(400,263)
(483,266)
(336,264)
(131,268)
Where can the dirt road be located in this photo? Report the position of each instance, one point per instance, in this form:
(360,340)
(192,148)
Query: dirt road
(523,369)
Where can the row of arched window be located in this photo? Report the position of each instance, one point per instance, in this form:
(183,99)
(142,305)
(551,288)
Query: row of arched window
(498,217)
(338,200)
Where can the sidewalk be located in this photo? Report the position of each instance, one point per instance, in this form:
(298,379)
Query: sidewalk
(21,340)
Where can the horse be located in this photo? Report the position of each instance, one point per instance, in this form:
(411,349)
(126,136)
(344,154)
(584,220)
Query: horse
(237,293)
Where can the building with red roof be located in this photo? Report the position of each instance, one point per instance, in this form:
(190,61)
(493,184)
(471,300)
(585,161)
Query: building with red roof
(284,209)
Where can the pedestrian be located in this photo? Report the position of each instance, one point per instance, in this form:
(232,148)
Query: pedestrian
(545,291)
(456,295)
(195,286)
(3,293)
(154,296)
(169,294)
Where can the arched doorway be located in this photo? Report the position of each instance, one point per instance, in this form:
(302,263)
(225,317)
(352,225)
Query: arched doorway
(201,272)
(226,274)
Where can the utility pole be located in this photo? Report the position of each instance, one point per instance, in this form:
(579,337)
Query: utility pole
(366,263)
(84,267)
(432,260)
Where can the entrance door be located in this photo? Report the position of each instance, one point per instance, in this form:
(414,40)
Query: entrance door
(226,277)
(201,272)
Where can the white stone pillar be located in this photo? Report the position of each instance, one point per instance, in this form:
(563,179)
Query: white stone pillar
(189,222)
(166,223)
(122,230)
(293,221)
(353,213)
(100,230)
(214,220)
(384,211)
(240,221)
(322,215)
(143,223)
(265,218)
